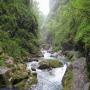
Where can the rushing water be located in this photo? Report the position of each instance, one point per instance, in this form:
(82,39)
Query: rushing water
(48,79)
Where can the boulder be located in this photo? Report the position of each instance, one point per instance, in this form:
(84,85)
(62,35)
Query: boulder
(40,54)
(32,59)
(19,74)
(33,69)
(4,76)
(34,65)
(46,64)
(54,55)
(14,77)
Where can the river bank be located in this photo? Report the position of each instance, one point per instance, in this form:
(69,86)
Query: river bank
(76,75)
(37,74)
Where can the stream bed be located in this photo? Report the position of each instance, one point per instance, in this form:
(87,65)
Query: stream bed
(48,79)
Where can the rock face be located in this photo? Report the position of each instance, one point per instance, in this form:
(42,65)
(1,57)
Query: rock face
(14,77)
(32,59)
(79,74)
(4,76)
(47,64)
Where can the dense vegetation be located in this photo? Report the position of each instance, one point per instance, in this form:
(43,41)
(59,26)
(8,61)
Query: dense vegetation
(18,28)
(70,23)
(69,27)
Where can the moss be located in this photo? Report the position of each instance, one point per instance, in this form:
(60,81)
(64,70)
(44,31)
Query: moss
(55,63)
(2,59)
(50,63)
(67,80)
(55,49)
(21,85)
(20,73)
(2,62)
(33,80)
(69,54)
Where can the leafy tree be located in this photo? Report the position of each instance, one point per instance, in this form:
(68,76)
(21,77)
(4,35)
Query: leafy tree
(18,28)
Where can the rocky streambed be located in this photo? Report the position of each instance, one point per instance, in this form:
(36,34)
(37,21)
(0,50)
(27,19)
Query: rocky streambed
(44,73)
(49,71)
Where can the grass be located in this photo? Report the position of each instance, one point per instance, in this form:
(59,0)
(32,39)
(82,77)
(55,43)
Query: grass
(2,63)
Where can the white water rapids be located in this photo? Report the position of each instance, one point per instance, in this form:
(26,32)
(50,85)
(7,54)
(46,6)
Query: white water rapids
(48,79)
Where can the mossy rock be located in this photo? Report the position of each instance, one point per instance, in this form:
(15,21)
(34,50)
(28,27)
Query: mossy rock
(67,79)
(72,55)
(20,73)
(45,64)
(31,81)
(69,54)
(21,85)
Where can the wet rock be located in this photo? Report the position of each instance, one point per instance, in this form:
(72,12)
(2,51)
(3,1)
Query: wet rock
(34,65)
(33,69)
(32,59)
(4,76)
(46,64)
(34,73)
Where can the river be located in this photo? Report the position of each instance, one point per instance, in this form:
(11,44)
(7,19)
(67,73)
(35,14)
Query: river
(48,79)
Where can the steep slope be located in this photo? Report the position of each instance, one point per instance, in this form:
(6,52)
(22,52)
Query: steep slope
(18,28)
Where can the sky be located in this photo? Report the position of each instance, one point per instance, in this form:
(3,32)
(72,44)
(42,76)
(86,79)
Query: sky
(44,6)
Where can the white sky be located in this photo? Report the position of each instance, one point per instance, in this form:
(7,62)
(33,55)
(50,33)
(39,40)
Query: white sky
(44,6)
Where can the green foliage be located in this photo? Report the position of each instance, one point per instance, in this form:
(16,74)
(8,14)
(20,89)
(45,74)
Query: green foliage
(55,49)
(18,28)
(1,62)
(67,80)
(70,23)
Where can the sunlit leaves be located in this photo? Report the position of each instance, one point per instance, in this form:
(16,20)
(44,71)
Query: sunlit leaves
(71,22)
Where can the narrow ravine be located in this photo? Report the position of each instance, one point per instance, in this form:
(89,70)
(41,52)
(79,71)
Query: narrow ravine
(48,79)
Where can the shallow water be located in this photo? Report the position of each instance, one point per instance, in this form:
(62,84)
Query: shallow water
(49,79)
